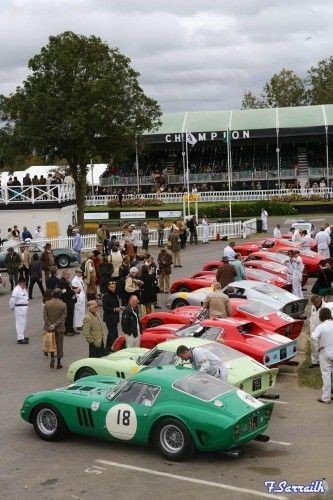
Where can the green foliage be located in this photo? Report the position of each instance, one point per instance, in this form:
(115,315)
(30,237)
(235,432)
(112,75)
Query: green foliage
(81,100)
(284,89)
(243,209)
(320,81)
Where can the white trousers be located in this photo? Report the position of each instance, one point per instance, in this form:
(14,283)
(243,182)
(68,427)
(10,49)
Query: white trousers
(21,314)
(326,368)
(205,235)
(132,341)
(297,288)
(325,252)
(314,353)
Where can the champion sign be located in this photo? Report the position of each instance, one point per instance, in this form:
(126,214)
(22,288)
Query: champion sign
(210,136)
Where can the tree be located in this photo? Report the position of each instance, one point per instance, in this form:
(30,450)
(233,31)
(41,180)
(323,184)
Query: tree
(250,101)
(320,80)
(81,100)
(284,89)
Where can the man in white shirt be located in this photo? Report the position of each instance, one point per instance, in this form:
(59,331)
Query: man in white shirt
(204,361)
(305,239)
(277,231)
(264,219)
(19,304)
(317,304)
(229,251)
(323,240)
(39,234)
(322,339)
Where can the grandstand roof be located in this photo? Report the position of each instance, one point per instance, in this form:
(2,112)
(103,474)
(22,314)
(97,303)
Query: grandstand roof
(302,120)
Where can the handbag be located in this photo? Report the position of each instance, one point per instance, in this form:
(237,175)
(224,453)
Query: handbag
(49,342)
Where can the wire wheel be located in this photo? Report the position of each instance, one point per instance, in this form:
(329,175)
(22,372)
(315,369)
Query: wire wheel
(172,439)
(47,421)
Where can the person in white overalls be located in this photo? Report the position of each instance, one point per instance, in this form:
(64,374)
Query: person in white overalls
(264,219)
(295,272)
(323,240)
(80,306)
(205,230)
(322,339)
(18,303)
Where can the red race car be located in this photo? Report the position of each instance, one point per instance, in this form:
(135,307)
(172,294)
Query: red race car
(268,348)
(271,267)
(264,317)
(312,260)
(207,278)
(269,244)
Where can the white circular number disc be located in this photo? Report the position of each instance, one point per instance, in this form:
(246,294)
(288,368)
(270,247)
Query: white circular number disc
(121,421)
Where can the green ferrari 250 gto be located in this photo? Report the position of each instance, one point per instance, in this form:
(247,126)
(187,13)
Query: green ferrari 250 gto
(243,371)
(170,407)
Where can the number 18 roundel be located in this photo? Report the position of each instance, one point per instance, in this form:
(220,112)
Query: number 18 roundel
(121,422)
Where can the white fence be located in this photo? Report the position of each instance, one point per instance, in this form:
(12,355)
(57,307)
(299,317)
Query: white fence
(235,229)
(56,193)
(214,196)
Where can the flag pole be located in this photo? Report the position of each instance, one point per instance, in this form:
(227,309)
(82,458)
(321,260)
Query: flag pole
(187,179)
(137,164)
(229,173)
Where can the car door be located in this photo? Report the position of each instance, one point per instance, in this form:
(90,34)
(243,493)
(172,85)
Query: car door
(125,416)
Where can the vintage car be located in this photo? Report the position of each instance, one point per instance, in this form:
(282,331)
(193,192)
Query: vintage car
(269,244)
(312,260)
(196,282)
(277,298)
(63,256)
(2,282)
(270,349)
(300,225)
(176,410)
(265,317)
(243,371)
(271,267)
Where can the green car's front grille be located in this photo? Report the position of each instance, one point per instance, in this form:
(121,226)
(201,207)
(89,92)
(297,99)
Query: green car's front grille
(85,418)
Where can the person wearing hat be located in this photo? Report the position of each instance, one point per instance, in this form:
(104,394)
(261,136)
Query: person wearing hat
(164,260)
(24,267)
(132,284)
(80,305)
(226,273)
(12,261)
(175,247)
(77,243)
(18,303)
(47,259)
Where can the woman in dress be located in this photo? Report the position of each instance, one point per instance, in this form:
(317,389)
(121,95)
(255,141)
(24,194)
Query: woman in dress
(80,305)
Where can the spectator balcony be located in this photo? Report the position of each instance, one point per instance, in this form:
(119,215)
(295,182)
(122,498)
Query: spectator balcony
(41,195)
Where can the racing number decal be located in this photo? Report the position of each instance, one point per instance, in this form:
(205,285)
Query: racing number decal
(121,421)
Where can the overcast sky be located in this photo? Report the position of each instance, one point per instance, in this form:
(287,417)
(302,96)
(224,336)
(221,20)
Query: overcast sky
(192,55)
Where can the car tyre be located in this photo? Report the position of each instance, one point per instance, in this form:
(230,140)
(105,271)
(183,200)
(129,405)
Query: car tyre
(48,423)
(179,303)
(154,322)
(62,261)
(84,372)
(173,439)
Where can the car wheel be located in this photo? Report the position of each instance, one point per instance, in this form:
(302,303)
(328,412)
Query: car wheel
(179,303)
(173,439)
(184,288)
(84,372)
(48,423)
(62,261)
(154,322)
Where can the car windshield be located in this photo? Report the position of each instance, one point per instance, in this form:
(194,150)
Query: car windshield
(158,357)
(278,257)
(302,225)
(256,309)
(274,266)
(223,352)
(115,389)
(259,273)
(202,386)
(190,331)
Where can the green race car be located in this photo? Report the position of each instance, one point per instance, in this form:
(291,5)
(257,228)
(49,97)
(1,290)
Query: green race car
(170,407)
(243,371)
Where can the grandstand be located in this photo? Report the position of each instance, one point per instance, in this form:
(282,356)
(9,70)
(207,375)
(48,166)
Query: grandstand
(270,148)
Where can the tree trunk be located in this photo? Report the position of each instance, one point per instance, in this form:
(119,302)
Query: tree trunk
(81,186)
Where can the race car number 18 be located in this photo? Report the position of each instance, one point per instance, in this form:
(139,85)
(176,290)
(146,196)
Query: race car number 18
(121,421)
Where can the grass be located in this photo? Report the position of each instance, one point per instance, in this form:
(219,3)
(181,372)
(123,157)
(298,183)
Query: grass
(309,377)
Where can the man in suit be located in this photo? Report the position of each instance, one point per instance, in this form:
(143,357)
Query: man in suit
(93,331)
(69,297)
(54,313)
(130,323)
(111,309)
